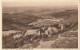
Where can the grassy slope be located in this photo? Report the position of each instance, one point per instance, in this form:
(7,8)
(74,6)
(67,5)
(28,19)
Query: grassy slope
(20,19)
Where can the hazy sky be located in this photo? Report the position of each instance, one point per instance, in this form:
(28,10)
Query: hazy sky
(20,3)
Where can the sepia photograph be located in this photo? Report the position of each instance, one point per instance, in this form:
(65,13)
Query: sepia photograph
(39,24)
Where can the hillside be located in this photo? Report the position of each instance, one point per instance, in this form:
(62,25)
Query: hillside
(19,19)
(22,19)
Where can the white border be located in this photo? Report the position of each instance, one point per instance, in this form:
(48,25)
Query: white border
(38,48)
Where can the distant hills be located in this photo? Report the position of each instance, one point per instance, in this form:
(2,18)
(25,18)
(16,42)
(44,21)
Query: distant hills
(20,20)
(63,14)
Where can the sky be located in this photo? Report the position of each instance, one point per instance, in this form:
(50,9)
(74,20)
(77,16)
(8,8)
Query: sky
(22,3)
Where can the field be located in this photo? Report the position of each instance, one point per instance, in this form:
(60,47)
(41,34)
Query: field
(16,23)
